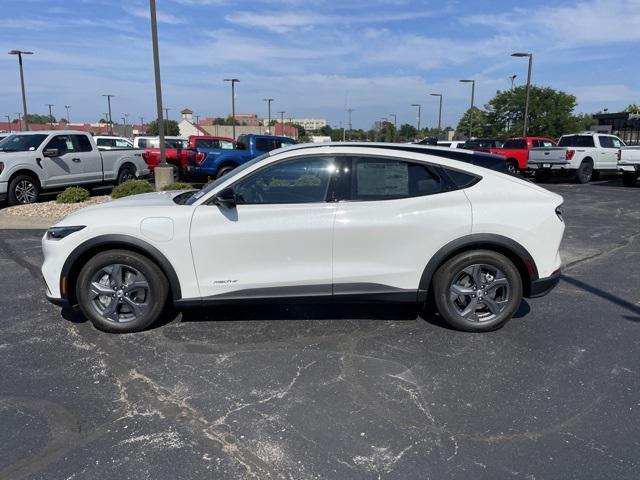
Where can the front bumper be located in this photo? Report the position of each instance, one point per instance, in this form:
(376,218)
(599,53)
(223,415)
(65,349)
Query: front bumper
(542,286)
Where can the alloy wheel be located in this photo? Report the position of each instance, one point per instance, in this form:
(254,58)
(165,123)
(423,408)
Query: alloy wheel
(479,292)
(25,192)
(119,293)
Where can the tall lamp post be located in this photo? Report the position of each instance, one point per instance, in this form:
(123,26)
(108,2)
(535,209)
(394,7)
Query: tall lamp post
(439,112)
(268,100)
(50,114)
(19,53)
(281,121)
(233,103)
(163,172)
(419,114)
(108,95)
(9,122)
(395,125)
(166,113)
(526,102)
(141,125)
(473,92)
(350,111)
(513,79)
(19,120)
(67,107)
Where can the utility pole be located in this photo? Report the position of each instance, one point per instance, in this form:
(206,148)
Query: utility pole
(163,172)
(67,107)
(419,114)
(233,103)
(268,100)
(395,125)
(19,120)
(282,121)
(9,122)
(473,91)
(349,110)
(526,102)
(166,113)
(142,124)
(197,123)
(109,105)
(50,114)
(19,53)
(513,79)
(439,112)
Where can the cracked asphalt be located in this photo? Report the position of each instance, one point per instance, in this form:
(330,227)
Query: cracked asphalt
(353,392)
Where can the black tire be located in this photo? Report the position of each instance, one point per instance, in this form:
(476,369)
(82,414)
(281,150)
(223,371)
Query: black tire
(584,172)
(504,288)
(542,176)
(127,172)
(120,291)
(512,167)
(629,179)
(23,189)
(223,170)
(175,174)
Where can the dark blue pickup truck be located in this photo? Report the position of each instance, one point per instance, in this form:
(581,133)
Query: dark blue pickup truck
(219,162)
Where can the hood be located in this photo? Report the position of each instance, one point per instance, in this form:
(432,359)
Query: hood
(4,156)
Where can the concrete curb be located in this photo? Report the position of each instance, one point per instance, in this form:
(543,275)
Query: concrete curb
(17,222)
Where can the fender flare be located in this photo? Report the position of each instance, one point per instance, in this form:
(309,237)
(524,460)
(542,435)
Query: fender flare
(25,167)
(525,263)
(122,241)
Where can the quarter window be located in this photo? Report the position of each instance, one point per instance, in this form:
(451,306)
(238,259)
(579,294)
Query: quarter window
(82,143)
(295,181)
(384,178)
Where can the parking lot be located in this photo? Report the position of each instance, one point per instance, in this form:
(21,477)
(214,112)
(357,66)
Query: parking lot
(310,391)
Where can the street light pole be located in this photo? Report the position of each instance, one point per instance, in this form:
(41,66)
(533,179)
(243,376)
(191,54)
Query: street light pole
(142,124)
(233,103)
(282,121)
(349,111)
(19,53)
(473,92)
(166,113)
(50,114)
(395,125)
(526,102)
(268,100)
(9,122)
(19,120)
(439,112)
(419,114)
(67,107)
(513,79)
(108,95)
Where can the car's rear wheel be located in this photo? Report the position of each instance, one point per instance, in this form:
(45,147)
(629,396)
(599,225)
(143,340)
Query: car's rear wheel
(126,173)
(512,167)
(629,179)
(477,291)
(584,172)
(23,189)
(121,291)
(222,171)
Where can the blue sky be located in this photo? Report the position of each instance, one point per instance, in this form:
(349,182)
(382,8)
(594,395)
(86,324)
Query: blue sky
(314,57)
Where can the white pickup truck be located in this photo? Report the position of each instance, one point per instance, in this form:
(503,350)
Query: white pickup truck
(31,162)
(629,165)
(584,155)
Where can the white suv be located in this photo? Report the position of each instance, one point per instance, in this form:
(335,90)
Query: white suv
(400,223)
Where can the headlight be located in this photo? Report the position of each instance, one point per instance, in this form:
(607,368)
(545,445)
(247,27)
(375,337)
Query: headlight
(56,233)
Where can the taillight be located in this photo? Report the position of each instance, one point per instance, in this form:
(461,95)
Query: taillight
(619,156)
(570,154)
(145,156)
(200,158)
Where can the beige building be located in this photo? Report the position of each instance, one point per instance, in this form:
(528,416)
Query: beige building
(306,123)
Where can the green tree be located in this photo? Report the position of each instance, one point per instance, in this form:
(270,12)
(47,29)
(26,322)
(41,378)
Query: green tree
(476,121)
(632,108)
(407,132)
(170,128)
(35,118)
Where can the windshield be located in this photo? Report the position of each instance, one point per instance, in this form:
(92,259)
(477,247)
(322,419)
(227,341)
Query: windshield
(198,195)
(576,141)
(22,143)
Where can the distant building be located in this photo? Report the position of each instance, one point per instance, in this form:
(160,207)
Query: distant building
(248,119)
(623,124)
(309,123)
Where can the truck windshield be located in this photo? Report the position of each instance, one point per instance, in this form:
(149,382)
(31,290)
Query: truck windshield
(22,143)
(213,185)
(576,141)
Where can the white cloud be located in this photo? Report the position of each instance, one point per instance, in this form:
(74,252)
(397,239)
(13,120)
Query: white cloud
(162,17)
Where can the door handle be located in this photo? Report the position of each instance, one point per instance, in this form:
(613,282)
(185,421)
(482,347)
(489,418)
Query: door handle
(76,160)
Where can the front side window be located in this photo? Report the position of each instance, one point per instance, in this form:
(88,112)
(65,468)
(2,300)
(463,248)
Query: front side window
(606,142)
(63,143)
(295,181)
(385,178)
(617,143)
(265,145)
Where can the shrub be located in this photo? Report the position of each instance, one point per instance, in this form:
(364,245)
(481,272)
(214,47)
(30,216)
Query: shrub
(177,186)
(131,187)
(73,195)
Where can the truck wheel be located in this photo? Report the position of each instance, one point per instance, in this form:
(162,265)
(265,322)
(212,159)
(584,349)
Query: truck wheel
(222,171)
(584,172)
(512,167)
(125,174)
(23,189)
(629,179)
(542,176)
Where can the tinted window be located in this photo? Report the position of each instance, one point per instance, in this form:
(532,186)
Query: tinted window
(142,143)
(265,144)
(63,143)
(122,143)
(462,180)
(206,143)
(617,143)
(385,178)
(296,181)
(242,142)
(105,142)
(605,142)
(576,141)
(82,143)
(516,144)
(22,143)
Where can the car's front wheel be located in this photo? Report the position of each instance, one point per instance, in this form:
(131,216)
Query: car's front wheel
(23,189)
(121,291)
(477,291)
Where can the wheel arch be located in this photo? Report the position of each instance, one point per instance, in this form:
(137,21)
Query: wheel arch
(511,249)
(87,249)
(25,171)
(227,163)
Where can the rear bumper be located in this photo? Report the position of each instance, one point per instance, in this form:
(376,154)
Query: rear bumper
(629,167)
(542,286)
(549,166)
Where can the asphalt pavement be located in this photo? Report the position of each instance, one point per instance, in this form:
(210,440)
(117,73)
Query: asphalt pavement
(348,392)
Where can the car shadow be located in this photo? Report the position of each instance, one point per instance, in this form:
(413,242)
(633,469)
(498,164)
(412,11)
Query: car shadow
(621,302)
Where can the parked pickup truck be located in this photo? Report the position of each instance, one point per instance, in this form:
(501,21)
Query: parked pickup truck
(31,162)
(219,163)
(629,165)
(177,153)
(516,151)
(583,155)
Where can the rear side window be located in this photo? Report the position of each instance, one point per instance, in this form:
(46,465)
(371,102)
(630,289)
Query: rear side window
(461,179)
(605,142)
(265,144)
(576,141)
(142,143)
(105,142)
(83,143)
(206,143)
(386,178)
(516,144)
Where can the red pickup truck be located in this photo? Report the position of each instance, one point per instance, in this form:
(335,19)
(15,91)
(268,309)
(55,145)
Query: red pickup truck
(516,151)
(178,154)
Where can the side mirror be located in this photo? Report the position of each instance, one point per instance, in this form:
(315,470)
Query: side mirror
(50,152)
(225,198)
